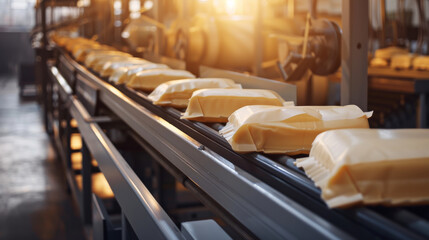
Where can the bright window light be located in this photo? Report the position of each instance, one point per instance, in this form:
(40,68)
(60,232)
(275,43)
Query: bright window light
(18,5)
(117,5)
(134,6)
(148,4)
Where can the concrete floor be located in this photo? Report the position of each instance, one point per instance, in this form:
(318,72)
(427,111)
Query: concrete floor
(34,203)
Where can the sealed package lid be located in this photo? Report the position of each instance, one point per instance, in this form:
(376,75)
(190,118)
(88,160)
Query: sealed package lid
(288,129)
(370,166)
(133,70)
(421,63)
(401,61)
(148,80)
(176,93)
(216,105)
(387,53)
(123,74)
(109,67)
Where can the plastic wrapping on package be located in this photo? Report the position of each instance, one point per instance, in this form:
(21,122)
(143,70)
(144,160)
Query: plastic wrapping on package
(176,93)
(378,62)
(216,105)
(80,54)
(124,74)
(387,53)
(109,67)
(148,80)
(98,64)
(288,129)
(421,63)
(370,166)
(401,61)
(92,58)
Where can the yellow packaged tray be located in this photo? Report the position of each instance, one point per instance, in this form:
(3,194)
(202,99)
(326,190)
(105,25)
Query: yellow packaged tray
(401,61)
(148,80)
(109,67)
(387,53)
(378,62)
(98,64)
(71,43)
(421,63)
(288,129)
(123,74)
(80,54)
(216,105)
(370,166)
(176,93)
(92,58)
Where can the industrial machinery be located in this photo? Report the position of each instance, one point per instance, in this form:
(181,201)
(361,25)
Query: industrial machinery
(172,178)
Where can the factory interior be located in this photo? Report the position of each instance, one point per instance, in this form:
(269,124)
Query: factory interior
(214,119)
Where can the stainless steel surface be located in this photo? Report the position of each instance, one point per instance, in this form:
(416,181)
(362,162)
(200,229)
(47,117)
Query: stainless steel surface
(203,229)
(65,89)
(354,82)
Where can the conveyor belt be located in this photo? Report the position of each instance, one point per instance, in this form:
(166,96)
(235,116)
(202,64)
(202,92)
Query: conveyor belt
(280,173)
(285,178)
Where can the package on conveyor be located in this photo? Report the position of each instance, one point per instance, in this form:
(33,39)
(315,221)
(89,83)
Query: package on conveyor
(74,44)
(401,61)
(109,67)
(148,80)
(69,43)
(287,129)
(387,53)
(216,105)
(382,57)
(370,166)
(94,57)
(98,66)
(421,63)
(124,74)
(81,53)
(378,62)
(60,40)
(176,93)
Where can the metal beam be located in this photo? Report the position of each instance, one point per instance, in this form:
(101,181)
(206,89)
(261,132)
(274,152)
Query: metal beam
(354,63)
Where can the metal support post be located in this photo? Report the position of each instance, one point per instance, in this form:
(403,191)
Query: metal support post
(44,74)
(86,210)
(157,9)
(167,187)
(258,39)
(354,64)
(127,230)
(67,136)
(422,111)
